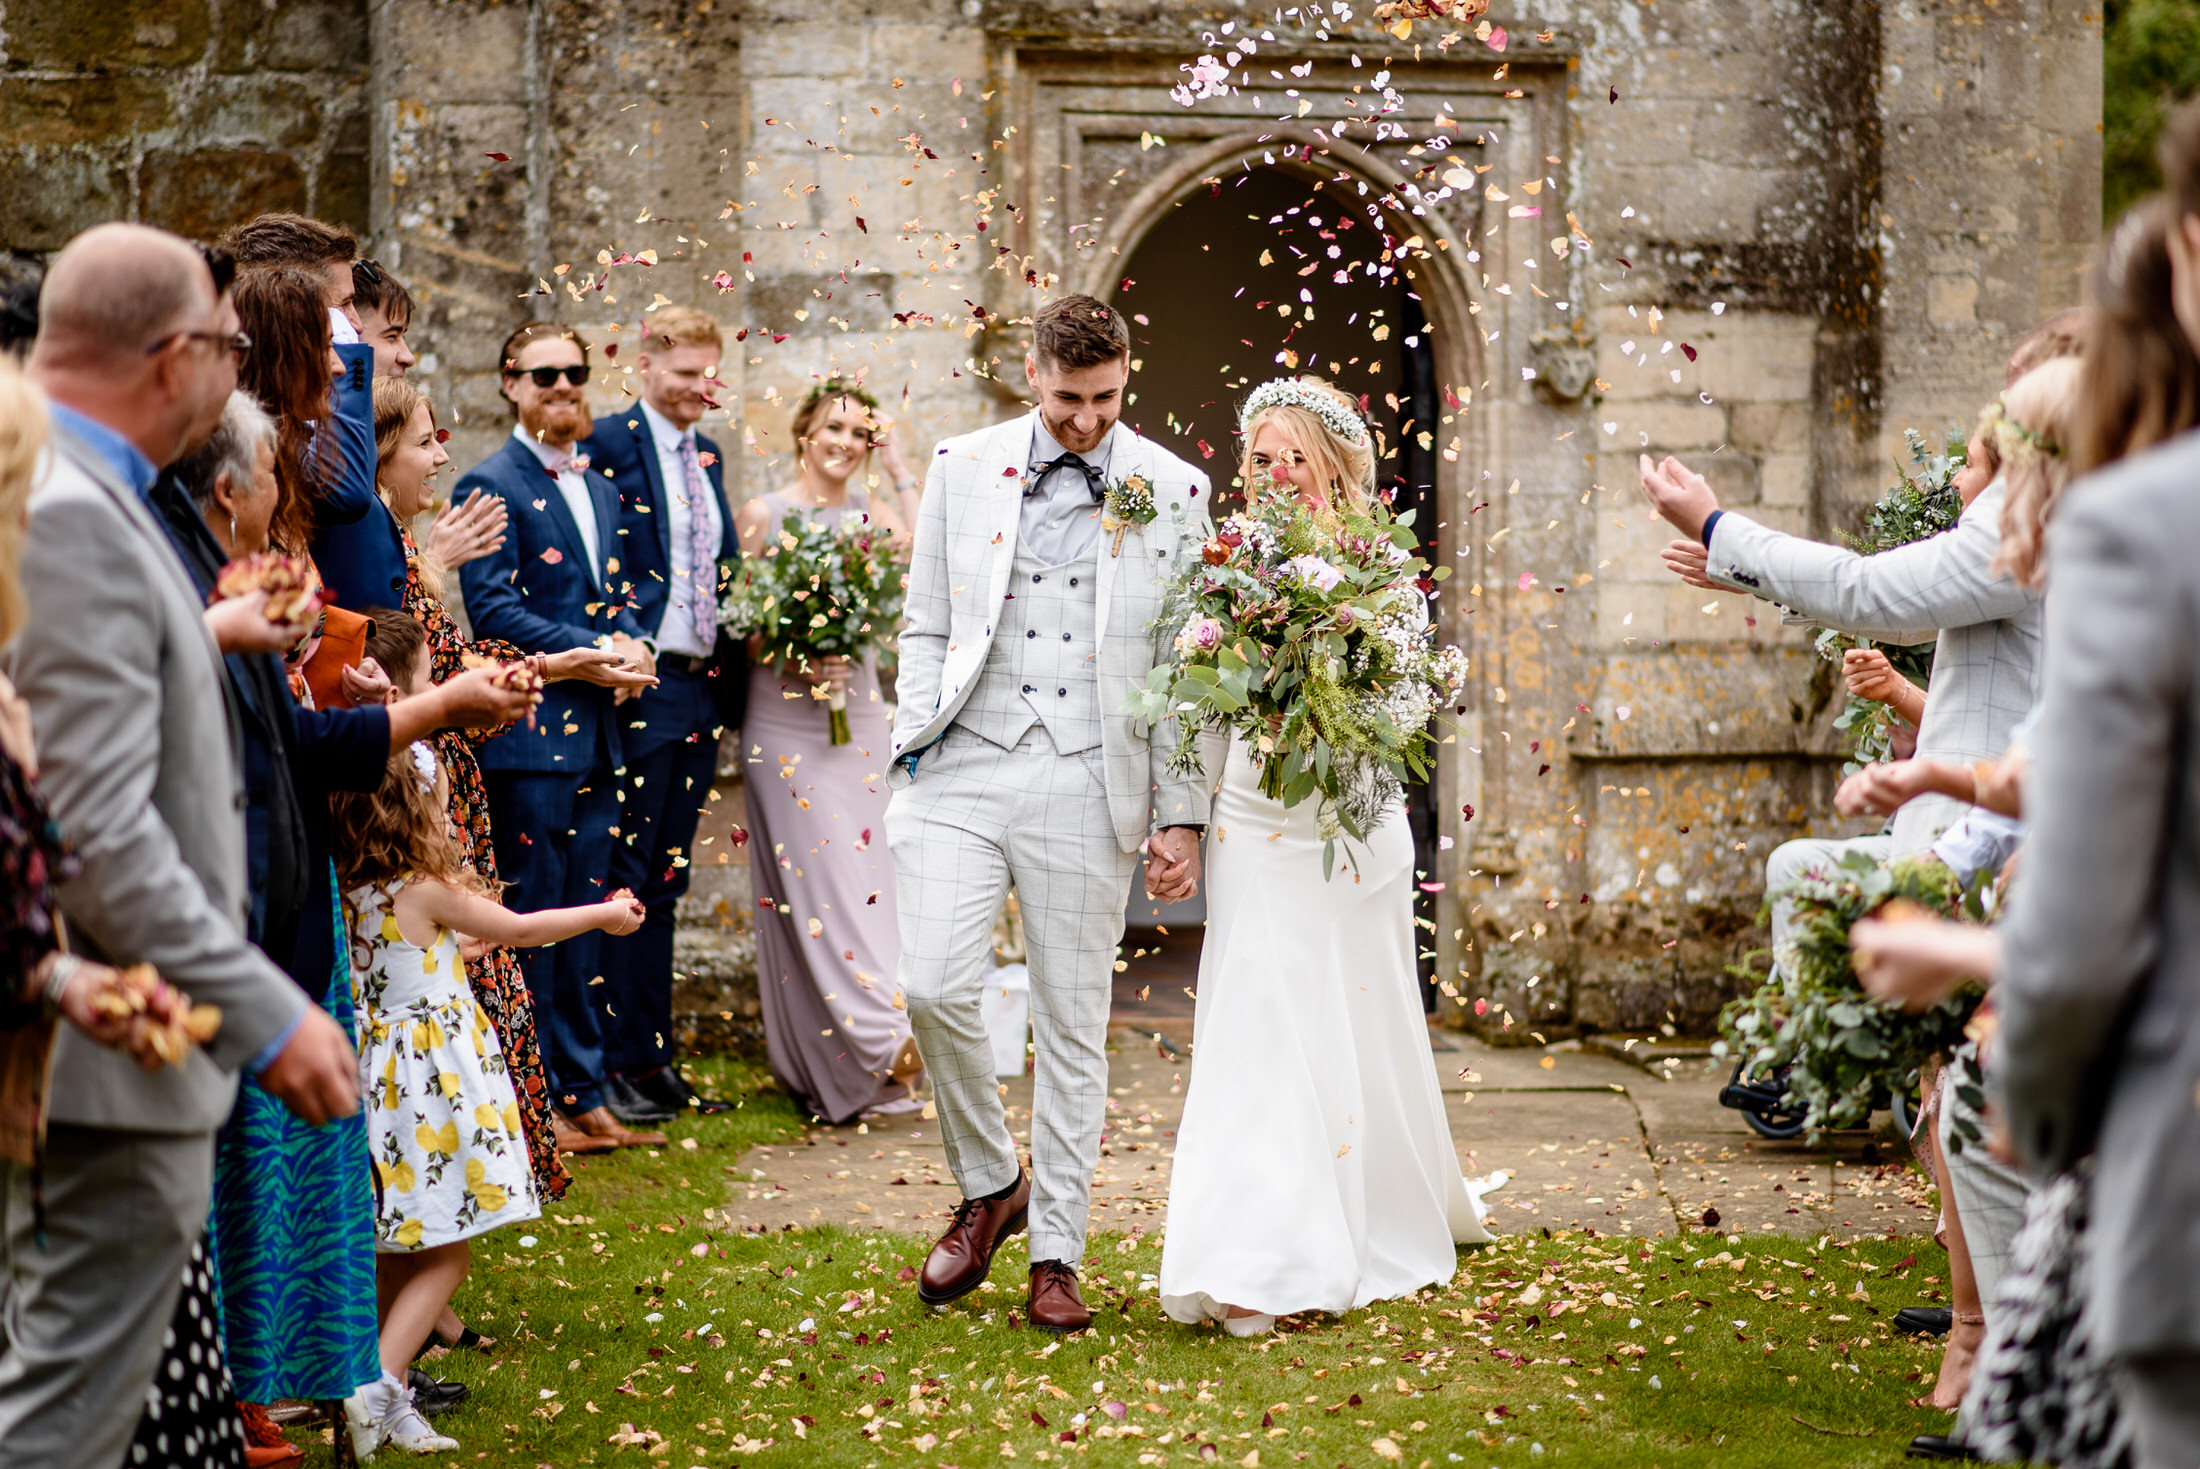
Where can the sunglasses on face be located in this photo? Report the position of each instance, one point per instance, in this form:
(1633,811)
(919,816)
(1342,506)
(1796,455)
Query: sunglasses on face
(547,377)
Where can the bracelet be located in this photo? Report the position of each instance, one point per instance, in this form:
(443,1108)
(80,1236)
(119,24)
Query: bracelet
(61,971)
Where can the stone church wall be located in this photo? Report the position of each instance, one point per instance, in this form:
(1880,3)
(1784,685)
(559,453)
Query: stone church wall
(1847,211)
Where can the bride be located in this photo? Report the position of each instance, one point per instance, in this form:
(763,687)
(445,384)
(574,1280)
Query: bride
(1314,1170)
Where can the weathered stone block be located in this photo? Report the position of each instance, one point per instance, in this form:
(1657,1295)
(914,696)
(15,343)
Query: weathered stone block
(202,193)
(53,193)
(112,33)
(98,108)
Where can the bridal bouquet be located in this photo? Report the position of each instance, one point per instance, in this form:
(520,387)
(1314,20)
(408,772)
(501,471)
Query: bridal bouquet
(1309,635)
(816,592)
(1847,1051)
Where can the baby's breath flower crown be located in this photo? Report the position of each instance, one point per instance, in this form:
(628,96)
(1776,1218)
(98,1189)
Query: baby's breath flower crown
(1289,392)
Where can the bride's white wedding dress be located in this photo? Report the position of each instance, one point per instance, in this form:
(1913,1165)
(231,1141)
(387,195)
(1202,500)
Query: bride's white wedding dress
(1314,1170)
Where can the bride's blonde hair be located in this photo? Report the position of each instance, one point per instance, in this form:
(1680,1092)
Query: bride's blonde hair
(2030,427)
(1344,466)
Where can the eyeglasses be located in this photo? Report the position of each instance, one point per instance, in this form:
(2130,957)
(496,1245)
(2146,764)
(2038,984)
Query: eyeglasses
(547,377)
(238,343)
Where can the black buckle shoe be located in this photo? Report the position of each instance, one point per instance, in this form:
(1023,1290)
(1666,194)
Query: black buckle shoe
(434,1396)
(1924,1320)
(1940,1446)
(630,1105)
(663,1088)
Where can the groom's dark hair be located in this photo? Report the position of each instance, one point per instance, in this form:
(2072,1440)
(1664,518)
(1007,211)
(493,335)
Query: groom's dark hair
(1078,332)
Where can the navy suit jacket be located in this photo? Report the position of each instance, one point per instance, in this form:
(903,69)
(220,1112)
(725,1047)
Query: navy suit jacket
(356,543)
(536,592)
(620,448)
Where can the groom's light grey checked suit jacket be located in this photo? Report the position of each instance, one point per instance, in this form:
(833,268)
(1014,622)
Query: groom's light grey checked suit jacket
(966,542)
(1988,627)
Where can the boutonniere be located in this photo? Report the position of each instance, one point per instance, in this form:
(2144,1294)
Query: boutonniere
(1128,502)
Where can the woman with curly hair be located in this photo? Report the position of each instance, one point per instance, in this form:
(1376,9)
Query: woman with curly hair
(826,943)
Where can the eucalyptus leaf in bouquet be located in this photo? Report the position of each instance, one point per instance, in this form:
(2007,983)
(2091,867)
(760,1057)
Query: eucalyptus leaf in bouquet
(1846,1049)
(819,591)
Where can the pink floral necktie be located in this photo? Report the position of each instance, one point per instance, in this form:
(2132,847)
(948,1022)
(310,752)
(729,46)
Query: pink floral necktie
(702,549)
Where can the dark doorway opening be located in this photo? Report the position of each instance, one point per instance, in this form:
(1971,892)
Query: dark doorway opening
(1265,272)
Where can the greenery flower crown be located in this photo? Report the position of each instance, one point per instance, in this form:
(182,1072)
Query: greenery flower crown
(1997,422)
(1289,392)
(840,387)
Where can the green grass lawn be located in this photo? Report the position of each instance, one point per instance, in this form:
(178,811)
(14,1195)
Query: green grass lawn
(640,1329)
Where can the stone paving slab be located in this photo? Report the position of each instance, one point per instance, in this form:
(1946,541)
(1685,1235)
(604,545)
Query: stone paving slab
(1590,1141)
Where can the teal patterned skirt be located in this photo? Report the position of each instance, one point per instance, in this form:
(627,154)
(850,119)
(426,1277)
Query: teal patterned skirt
(294,1237)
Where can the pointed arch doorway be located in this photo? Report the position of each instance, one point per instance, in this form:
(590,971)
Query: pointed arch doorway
(1262,272)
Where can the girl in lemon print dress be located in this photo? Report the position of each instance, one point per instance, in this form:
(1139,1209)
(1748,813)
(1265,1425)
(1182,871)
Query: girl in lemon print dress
(443,1122)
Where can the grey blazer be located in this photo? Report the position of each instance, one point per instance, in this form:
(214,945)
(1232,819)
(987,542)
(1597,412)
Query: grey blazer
(966,540)
(2100,984)
(138,762)
(1988,627)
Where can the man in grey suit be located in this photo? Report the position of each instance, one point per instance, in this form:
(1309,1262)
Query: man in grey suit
(136,352)
(2100,981)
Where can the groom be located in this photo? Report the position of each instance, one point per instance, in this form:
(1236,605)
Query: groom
(1026,624)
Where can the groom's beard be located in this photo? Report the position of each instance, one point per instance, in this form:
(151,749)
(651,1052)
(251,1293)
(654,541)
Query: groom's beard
(1065,434)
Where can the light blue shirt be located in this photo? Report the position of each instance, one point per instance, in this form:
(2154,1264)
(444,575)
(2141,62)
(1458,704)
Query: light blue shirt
(127,459)
(1062,520)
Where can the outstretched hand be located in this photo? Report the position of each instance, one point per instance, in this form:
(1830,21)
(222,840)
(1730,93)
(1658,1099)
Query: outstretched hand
(1691,562)
(1678,494)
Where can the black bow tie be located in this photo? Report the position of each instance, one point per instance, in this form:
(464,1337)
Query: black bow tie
(1039,473)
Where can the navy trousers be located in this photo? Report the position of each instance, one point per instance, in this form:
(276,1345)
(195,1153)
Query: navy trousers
(671,759)
(553,835)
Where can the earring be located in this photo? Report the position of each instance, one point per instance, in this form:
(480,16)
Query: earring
(232,532)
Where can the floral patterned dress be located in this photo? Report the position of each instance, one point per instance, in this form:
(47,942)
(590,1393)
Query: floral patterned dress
(496,977)
(442,1120)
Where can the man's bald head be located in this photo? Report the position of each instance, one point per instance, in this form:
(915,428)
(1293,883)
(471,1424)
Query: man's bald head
(115,290)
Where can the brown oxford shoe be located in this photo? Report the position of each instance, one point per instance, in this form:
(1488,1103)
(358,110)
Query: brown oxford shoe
(599,1123)
(961,1260)
(571,1139)
(1055,1303)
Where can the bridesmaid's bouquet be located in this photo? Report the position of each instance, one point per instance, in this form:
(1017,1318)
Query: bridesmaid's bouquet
(819,591)
(1308,633)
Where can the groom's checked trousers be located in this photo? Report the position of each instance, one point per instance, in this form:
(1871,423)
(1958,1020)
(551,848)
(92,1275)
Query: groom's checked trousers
(974,820)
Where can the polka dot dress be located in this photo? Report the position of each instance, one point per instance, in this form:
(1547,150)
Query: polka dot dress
(190,1419)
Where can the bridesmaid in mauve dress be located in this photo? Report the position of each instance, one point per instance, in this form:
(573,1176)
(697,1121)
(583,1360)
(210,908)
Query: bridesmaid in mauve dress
(827,943)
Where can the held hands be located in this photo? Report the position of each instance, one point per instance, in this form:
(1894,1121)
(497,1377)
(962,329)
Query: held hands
(467,531)
(623,913)
(1678,494)
(241,625)
(1881,790)
(1172,865)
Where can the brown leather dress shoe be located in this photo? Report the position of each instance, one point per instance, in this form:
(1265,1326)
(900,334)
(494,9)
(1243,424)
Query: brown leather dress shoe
(1055,1303)
(571,1139)
(961,1260)
(601,1124)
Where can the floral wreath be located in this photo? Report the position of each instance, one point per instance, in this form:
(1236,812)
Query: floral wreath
(841,387)
(2015,439)
(1290,392)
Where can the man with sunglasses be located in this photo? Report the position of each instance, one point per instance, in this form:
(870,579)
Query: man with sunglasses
(553,584)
